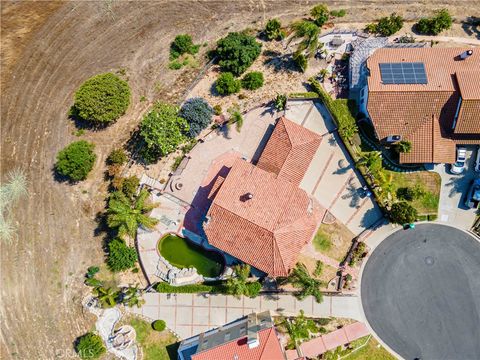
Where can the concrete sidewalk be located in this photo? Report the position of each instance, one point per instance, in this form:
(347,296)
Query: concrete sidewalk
(190,314)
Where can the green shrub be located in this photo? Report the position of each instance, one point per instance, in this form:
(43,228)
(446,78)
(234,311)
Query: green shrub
(227,84)
(280,102)
(403,213)
(120,256)
(406,193)
(163,130)
(117,157)
(159,325)
(217,109)
(175,65)
(303,95)
(301,61)
(237,51)
(273,30)
(102,99)
(338,13)
(252,80)
(320,14)
(76,160)
(182,44)
(436,24)
(323,321)
(92,271)
(163,287)
(318,268)
(198,114)
(386,26)
(90,346)
(253,289)
(130,185)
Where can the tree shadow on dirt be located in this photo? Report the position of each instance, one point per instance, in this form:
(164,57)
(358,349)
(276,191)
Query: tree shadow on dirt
(471,26)
(82,124)
(354,194)
(281,63)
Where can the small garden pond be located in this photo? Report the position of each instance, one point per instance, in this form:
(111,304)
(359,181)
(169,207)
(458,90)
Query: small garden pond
(183,253)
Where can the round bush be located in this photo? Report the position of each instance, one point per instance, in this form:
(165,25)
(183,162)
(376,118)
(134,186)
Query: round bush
(227,84)
(117,157)
(237,51)
(198,114)
(102,99)
(159,325)
(252,80)
(402,213)
(90,346)
(76,160)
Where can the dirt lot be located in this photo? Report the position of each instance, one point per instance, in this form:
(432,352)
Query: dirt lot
(48,49)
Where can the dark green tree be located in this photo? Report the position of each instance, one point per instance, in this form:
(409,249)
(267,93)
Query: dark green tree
(436,24)
(252,80)
(126,215)
(320,14)
(198,114)
(386,26)
(403,213)
(273,30)
(403,146)
(102,99)
(117,157)
(120,256)
(227,84)
(76,160)
(163,130)
(182,44)
(237,51)
(159,325)
(90,346)
(307,285)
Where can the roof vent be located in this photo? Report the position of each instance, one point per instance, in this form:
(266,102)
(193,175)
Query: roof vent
(246,197)
(253,343)
(466,54)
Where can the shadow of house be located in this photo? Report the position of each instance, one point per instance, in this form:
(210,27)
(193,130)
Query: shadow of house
(195,215)
(262,144)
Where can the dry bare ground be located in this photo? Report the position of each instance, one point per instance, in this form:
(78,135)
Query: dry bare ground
(48,49)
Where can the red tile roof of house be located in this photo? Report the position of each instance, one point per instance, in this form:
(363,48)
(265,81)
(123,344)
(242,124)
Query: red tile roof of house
(268,349)
(289,151)
(408,109)
(267,230)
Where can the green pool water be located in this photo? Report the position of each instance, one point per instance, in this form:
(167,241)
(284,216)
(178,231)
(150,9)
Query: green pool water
(183,253)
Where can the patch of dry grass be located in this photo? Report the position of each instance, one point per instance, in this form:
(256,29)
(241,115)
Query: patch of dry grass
(338,236)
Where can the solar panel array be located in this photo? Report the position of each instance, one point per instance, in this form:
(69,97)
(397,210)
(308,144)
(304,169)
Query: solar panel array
(403,73)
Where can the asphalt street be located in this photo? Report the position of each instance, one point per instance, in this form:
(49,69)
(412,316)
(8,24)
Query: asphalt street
(420,293)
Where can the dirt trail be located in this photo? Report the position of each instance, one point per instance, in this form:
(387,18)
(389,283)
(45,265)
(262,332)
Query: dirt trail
(45,61)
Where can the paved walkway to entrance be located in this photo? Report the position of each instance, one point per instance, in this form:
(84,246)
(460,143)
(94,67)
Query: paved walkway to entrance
(191,314)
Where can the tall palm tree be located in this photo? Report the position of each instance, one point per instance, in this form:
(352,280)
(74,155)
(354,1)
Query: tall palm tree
(307,285)
(372,160)
(127,215)
(308,31)
(237,285)
(107,296)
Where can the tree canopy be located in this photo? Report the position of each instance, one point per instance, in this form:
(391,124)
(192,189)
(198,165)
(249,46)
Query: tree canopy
(227,84)
(237,51)
(182,44)
(403,213)
(120,256)
(252,80)
(90,346)
(436,24)
(163,130)
(198,114)
(387,26)
(320,14)
(307,285)
(76,160)
(102,99)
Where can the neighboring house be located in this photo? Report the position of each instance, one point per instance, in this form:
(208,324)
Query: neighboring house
(428,96)
(252,337)
(259,214)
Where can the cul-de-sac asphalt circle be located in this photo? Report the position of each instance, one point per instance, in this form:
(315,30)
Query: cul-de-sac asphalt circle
(420,292)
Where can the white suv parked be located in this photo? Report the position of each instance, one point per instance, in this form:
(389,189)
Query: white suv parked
(459,165)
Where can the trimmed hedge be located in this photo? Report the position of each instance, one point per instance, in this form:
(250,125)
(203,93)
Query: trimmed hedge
(159,325)
(163,287)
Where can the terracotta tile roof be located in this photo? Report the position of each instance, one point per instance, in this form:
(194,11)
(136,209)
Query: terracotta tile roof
(289,151)
(468,121)
(268,349)
(268,230)
(216,186)
(428,145)
(408,110)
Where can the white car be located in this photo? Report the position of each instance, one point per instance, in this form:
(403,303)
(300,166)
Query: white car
(477,161)
(459,165)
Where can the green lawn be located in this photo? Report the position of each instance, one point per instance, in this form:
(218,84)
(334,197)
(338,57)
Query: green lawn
(155,345)
(183,253)
(428,181)
(371,351)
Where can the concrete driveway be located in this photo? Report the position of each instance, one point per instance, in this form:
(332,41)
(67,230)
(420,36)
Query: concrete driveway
(421,294)
(190,314)
(451,209)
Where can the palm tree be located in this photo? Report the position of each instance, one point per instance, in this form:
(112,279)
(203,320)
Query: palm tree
(308,31)
(132,296)
(237,285)
(299,329)
(403,146)
(323,74)
(107,296)
(372,160)
(127,215)
(309,286)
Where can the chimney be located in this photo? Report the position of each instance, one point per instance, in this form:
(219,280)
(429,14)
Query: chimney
(249,196)
(466,54)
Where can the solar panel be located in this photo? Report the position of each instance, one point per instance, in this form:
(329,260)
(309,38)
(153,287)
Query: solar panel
(403,73)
